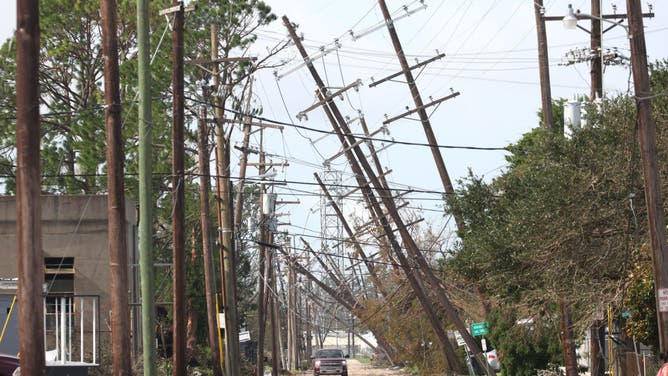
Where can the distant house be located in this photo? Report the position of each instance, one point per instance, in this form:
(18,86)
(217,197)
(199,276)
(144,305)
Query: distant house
(76,271)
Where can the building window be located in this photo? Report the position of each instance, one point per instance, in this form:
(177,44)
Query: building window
(59,279)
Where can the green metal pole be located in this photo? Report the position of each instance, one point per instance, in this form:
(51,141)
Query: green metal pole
(145,202)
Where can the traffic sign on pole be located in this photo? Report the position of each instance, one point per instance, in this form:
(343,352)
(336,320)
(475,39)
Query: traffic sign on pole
(479,328)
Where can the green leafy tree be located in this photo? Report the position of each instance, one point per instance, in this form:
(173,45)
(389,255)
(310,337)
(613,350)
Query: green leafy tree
(562,222)
(73,142)
(524,348)
(640,300)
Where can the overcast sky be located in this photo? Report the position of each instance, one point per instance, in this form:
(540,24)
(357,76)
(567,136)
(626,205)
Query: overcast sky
(491,58)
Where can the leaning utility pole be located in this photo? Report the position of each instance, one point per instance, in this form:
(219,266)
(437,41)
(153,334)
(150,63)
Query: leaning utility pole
(28,206)
(343,132)
(647,140)
(420,107)
(145,190)
(243,162)
(351,235)
(544,67)
(409,269)
(178,198)
(118,248)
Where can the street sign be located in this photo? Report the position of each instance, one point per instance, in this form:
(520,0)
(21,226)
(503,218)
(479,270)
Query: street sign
(460,339)
(479,328)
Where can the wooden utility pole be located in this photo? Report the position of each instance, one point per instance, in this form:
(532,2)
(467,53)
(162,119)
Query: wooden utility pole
(351,236)
(270,295)
(544,67)
(263,280)
(226,222)
(145,190)
(309,327)
(420,107)
(280,292)
(205,220)
(346,301)
(118,248)
(413,271)
(338,123)
(243,163)
(568,343)
(595,32)
(293,359)
(178,199)
(374,155)
(261,306)
(596,66)
(28,205)
(653,197)
(290,306)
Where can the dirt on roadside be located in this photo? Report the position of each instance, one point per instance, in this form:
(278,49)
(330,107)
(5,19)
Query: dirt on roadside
(357,368)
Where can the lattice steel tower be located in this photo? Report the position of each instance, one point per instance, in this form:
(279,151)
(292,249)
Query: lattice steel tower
(331,228)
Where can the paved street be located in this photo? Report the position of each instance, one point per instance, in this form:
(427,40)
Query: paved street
(357,368)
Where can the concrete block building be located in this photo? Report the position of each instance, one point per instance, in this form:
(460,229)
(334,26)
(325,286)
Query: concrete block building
(76,265)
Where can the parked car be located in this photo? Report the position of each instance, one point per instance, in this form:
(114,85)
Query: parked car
(329,362)
(8,364)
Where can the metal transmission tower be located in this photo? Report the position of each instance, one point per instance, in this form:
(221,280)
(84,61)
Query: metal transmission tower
(331,229)
(331,232)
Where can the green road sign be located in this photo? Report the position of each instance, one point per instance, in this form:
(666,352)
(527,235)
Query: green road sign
(479,328)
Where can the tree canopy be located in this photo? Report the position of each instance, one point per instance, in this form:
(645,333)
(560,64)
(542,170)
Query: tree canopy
(566,217)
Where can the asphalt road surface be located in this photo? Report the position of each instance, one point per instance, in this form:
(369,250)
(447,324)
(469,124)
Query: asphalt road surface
(357,368)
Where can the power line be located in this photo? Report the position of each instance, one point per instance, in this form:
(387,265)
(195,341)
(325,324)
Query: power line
(358,136)
(257,180)
(289,124)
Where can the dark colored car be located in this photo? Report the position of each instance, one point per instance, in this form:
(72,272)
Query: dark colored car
(8,364)
(329,362)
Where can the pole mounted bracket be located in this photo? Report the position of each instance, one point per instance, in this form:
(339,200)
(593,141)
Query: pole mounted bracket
(328,98)
(418,65)
(176,8)
(414,110)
